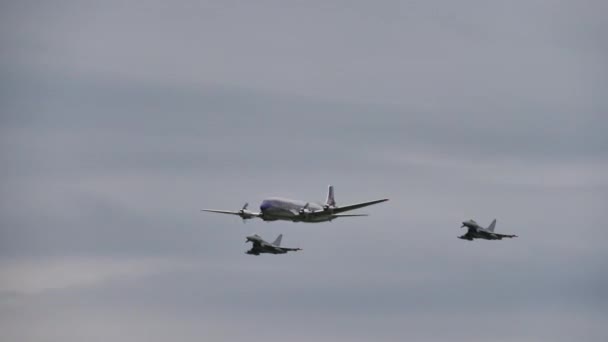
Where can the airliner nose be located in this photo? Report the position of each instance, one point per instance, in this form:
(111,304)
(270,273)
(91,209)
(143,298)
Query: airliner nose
(265,205)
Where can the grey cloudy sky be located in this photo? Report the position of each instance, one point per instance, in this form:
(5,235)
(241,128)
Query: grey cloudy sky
(119,121)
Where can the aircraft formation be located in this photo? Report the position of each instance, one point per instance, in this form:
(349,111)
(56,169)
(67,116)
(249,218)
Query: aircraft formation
(282,209)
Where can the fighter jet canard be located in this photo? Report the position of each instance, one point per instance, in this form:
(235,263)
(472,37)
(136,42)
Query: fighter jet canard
(274,209)
(260,246)
(475,231)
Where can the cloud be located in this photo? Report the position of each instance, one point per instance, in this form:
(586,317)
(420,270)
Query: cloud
(505,171)
(27,277)
(146,325)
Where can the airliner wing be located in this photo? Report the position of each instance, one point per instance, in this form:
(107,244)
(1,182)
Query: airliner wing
(240,213)
(357,206)
(222,211)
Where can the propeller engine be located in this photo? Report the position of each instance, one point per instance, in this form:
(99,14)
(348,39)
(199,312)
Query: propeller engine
(328,208)
(305,211)
(246,214)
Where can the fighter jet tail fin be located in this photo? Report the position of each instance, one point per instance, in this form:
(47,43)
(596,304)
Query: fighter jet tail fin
(492,225)
(330,202)
(277,241)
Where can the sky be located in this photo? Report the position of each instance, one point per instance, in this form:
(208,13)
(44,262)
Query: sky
(119,121)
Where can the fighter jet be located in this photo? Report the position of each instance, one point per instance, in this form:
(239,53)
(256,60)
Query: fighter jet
(261,246)
(478,232)
(273,209)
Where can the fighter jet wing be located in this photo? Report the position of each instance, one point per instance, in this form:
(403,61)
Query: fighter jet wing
(468,236)
(289,249)
(255,244)
(357,206)
(505,236)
